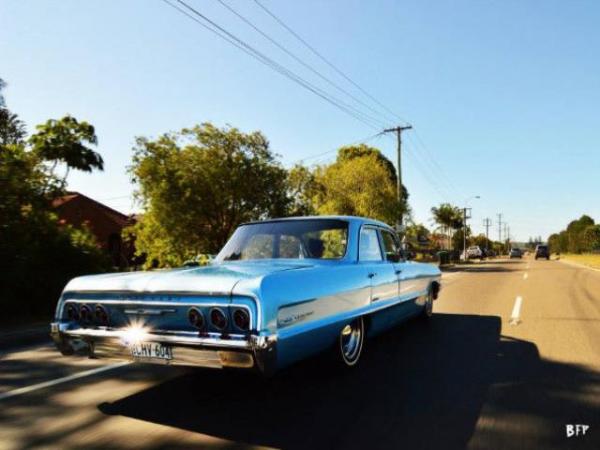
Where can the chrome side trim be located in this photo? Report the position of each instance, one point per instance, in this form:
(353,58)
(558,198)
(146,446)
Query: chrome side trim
(304,327)
(162,292)
(148,311)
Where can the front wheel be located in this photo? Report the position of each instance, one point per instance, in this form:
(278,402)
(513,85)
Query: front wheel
(428,308)
(350,342)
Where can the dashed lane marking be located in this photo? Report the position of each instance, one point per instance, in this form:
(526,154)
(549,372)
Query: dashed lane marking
(515,316)
(75,376)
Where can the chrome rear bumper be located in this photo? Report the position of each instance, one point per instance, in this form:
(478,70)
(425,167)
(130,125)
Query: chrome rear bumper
(188,349)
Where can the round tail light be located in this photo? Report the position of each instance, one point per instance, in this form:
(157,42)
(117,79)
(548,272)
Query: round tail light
(196,318)
(241,319)
(85,314)
(218,319)
(72,312)
(102,316)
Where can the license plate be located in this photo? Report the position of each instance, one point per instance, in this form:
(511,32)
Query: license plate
(151,350)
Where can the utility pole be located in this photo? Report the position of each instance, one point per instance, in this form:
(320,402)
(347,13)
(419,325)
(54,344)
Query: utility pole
(487,223)
(499,227)
(466,215)
(398,130)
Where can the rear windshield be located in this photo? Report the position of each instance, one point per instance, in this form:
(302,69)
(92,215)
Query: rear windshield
(289,239)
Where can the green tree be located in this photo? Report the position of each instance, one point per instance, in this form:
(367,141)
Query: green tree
(357,151)
(359,186)
(448,218)
(38,254)
(2,86)
(591,238)
(575,231)
(457,238)
(66,141)
(198,185)
(302,189)
(12,130)
(482,241)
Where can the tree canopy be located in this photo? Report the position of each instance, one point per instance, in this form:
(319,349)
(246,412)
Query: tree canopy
(198,185)
(359,186)
(581,235)
(32,241)
(64,141)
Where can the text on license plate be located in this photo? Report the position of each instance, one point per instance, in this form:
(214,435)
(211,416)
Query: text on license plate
(151,350)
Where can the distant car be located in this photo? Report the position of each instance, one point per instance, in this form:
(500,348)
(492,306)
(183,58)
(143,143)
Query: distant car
(541,251)
(474,252)
(516,253)
(489,253)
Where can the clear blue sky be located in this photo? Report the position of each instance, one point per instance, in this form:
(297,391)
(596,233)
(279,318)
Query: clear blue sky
(505,95)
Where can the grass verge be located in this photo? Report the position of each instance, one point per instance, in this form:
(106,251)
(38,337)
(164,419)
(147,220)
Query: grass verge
(587,259)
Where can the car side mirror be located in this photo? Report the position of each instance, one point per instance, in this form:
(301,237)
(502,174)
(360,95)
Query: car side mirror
(393,257)
(409,255)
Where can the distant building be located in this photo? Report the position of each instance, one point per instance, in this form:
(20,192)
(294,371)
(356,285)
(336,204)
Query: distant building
(105,223)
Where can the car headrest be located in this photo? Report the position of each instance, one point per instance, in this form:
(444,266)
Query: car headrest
(316,247)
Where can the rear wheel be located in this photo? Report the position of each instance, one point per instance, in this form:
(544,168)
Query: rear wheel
(428,308)
(350,342)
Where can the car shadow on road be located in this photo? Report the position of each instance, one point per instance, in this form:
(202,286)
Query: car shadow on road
(418,386)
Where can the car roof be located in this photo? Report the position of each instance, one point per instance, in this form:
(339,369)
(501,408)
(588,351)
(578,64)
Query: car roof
(352,219)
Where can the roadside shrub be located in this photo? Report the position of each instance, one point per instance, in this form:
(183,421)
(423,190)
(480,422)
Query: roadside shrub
(38,259)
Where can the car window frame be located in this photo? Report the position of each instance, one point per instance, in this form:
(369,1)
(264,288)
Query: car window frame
(382,230)
(381,253)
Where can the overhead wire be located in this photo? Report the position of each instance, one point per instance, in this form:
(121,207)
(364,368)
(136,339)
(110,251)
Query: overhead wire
(305,64)
(366,119)
(250,50)
(318,155)
(329,63)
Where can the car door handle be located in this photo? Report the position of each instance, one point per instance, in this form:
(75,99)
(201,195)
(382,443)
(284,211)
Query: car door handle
(398,272)
(371,275)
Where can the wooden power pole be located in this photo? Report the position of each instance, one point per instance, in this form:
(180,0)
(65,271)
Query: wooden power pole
(398,130)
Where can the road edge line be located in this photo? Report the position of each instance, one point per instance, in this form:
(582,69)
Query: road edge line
(75,376)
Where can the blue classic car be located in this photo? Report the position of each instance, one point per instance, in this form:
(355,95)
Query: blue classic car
(279,291)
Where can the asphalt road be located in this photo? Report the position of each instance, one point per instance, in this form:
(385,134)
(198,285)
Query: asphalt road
(510,358)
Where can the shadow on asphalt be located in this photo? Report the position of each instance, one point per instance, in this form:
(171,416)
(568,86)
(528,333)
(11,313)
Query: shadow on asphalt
(418,386)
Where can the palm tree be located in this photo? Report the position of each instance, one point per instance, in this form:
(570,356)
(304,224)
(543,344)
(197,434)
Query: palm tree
(448,217)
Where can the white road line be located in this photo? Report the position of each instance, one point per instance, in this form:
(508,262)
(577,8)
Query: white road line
(525,275)
(75,376)
(514,317)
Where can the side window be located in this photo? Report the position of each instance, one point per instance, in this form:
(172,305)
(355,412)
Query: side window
(390,246)
(369,249)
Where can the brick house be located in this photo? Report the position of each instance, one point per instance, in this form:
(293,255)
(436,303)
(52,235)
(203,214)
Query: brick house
(105,223)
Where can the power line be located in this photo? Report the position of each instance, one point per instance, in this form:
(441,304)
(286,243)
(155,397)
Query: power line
(247,48)
(422,169)
(436,167)
(360,141)
(303,63)
(326,61)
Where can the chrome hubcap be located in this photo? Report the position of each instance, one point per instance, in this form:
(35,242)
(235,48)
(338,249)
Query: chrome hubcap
(350,340)
(429,305)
